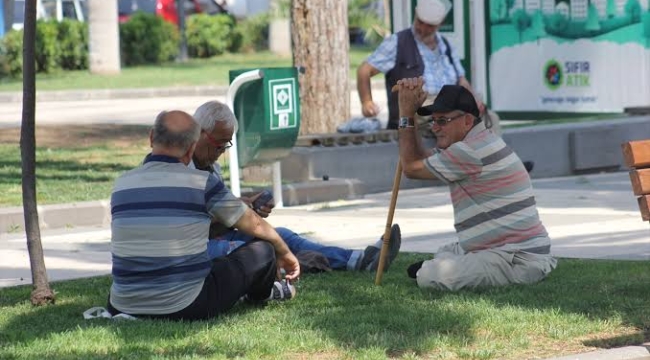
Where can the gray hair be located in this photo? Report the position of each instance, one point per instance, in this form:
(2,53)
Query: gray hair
(208,114)
(169,138)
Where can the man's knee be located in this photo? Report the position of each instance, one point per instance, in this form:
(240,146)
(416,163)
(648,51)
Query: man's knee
(441,274)
(262,251)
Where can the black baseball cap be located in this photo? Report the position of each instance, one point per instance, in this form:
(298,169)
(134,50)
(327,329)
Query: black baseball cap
(450,98)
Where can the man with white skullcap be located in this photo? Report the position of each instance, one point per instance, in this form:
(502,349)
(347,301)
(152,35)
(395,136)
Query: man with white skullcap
(417,51)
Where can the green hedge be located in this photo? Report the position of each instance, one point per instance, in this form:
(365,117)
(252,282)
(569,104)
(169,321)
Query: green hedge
(11,54)
(209,35)
(147,39)
(73,45)
(58,45)
(252,33)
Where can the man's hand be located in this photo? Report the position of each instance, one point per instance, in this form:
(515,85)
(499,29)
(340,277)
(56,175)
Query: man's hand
(264,210)
(411,96)
(369,108)
(290,264)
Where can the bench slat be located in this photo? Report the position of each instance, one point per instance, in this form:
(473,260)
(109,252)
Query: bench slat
(640,180)
(644,206)
(637,153)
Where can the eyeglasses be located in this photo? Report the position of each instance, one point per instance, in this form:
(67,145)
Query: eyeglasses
(219,145)
(442,121)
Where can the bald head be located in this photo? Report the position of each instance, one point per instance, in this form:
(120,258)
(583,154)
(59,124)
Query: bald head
(174,133)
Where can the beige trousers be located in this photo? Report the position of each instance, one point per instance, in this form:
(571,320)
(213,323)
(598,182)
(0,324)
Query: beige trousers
(453,269)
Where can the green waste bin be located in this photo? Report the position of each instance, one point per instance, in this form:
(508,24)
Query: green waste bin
(268,112)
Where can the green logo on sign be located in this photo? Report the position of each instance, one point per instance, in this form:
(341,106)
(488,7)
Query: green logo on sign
(553,74)
(283,107)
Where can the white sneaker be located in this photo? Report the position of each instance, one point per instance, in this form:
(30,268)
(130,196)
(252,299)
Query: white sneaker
(282,290)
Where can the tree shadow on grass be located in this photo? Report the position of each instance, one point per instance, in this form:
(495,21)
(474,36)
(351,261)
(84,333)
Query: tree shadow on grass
(419,321)
(349,311)
(28,332)
(64,170)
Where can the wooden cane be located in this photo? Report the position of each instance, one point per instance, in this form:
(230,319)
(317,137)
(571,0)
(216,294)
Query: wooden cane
(389,223)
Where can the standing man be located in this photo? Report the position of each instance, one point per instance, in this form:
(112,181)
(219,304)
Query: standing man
(161,215)
(501,239)
(418,51)
(218,126)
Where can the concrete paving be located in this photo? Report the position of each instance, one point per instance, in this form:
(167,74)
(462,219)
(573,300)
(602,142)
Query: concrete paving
(593,217)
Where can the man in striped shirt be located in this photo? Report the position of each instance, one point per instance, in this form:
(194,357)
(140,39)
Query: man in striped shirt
(501,240)
(161,215)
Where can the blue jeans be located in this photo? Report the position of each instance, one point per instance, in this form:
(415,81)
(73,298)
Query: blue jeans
(339,258)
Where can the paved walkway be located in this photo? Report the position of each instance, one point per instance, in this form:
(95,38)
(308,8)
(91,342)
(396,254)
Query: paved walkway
(592,216)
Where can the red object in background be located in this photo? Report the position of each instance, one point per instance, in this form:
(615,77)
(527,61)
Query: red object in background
(166,9)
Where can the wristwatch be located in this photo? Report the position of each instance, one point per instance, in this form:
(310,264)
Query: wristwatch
(406,122)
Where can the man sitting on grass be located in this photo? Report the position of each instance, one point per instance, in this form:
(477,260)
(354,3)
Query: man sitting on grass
(501,239)
(161,215)
(218,125)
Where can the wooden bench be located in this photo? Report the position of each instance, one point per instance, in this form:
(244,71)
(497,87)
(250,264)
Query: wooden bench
(637,158)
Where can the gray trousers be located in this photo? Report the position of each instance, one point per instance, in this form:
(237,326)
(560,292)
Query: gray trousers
(453,269)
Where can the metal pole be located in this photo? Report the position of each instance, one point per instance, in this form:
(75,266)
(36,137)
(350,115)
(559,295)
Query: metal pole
(230,100)
(277,185)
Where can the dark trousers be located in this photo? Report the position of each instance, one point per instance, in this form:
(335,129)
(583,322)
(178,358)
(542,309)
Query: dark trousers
(249,270)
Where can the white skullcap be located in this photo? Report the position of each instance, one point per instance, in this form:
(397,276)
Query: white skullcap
(432,12)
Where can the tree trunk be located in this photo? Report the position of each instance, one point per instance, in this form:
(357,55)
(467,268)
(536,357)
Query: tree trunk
(321,44)
(42,294)
(103,37)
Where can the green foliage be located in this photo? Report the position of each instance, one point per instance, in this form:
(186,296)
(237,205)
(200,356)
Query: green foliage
(521,21)
(362,17)
(253,33)
(209,35)
(592,24)
(73,44)
(633,10)
(148,39)
(46,46)
(11,54)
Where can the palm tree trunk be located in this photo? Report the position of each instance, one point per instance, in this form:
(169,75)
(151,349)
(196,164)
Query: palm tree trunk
(103,37)
(41,294)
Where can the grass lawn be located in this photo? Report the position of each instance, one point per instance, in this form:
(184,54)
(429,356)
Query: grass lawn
(73,162)
(582,306)
(212,71)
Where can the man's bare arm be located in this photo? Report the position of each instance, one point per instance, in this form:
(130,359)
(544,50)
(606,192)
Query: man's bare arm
(364,72)
(411,152)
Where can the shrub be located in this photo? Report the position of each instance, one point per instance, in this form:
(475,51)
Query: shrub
(209,35)
(253,33)
(11,54)
(73,45)
(46,49)
(147,39)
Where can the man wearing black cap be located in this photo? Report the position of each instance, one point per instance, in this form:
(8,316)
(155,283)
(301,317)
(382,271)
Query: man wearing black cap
(501,239)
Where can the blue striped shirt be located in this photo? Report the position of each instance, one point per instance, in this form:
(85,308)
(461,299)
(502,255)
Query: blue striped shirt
(438,70)
(161,214)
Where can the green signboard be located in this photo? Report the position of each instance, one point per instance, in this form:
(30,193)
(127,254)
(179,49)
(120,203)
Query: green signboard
(569,56)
